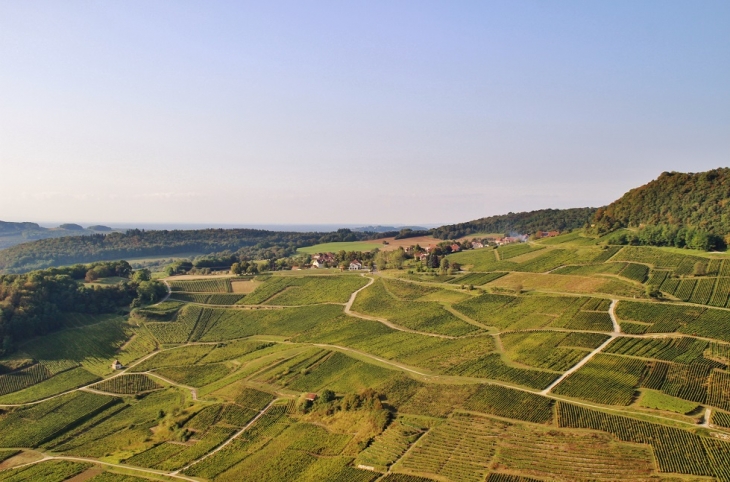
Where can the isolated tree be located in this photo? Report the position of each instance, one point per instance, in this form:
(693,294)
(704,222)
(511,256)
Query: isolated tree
(444,265)
(236,268)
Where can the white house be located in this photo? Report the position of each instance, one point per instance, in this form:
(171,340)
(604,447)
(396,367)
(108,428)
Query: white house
(318,264)
(355,265)
(117,365)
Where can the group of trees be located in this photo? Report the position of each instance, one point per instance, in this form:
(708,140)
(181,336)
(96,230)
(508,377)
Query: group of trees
(676,209)
(525,222)
(674,236)
(32,304)
(244,267)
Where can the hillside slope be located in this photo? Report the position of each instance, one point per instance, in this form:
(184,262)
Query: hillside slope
(523,223)
(689,200)
(137,243)
(12,234)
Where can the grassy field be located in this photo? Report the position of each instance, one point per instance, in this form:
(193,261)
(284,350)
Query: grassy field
(335,247)
(423,381)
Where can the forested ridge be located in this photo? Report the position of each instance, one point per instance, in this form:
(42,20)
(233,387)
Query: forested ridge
(251,243)
(32,304)
(692,200)
(522,223)
(676,209)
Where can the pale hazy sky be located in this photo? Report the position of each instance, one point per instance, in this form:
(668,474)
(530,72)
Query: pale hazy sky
(355,112)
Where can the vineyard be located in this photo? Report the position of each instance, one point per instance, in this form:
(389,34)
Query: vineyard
(428,316)
(390,402)
(477,279)
(542,349)
(207,298)
(606,379)
(510,403)
(675,450)
(215,285)
(389,446)
(308,290)
(127,385)
(461,448)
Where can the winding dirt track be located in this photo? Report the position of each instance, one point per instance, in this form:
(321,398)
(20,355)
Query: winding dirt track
(615,334)
(348,310)
(231,439)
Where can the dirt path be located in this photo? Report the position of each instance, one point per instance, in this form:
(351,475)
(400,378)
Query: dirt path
(46,458)
(614,320)
(465,318)
(348,311)
(707,417)
(193,391)
(169,292)
(224,444)
(580,364)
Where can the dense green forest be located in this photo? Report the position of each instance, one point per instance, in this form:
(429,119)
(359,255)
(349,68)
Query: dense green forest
(523,223)
(247,243)
(677,200)
(32,304)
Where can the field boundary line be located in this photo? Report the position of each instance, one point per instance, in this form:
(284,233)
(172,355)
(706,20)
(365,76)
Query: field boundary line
(348,311)
(193,391)
(578,365)
(231,439)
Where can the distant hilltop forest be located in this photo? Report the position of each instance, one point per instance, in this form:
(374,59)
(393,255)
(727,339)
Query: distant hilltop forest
(17,233)
(684,210)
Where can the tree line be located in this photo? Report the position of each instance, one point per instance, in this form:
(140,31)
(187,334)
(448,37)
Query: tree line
(135,243)
(33,304)
(676,209)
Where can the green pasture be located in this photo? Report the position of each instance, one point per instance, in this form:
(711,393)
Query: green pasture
(336,247)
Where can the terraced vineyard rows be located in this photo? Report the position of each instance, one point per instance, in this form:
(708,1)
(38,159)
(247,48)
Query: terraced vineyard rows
(389,446)
(127,384)
(676,450)
(215,285)
(510,403)
(605,379)
(452,430)
(461,449)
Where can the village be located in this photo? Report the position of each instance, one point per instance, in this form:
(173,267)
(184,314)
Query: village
(428,255)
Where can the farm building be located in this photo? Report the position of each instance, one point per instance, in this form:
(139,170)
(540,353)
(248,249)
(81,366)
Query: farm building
(455,248)
(355,265)
(310,396)
(476,245)
(117,365)
(318,264)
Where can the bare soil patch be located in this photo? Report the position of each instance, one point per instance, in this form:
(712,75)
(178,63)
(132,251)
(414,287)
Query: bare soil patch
(549,282)
(25,457)
(244,286)
(86,475)
(394,244)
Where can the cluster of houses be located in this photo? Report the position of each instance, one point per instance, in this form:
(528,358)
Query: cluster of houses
(322,260)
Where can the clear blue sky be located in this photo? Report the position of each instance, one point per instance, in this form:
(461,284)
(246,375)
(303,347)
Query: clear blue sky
(355,112)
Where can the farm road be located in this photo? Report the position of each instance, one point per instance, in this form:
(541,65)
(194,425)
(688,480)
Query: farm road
(233,437)
(348,311)
(615,334)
